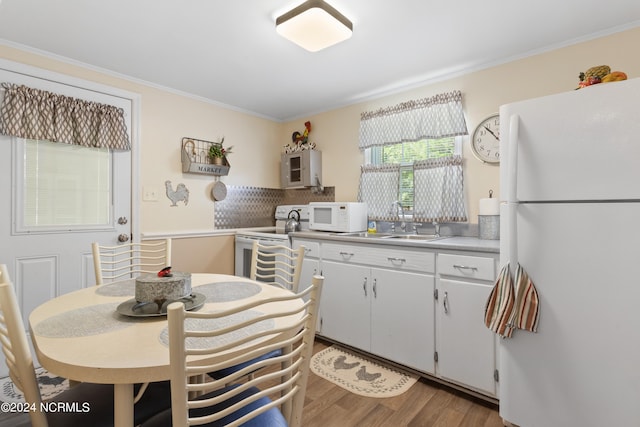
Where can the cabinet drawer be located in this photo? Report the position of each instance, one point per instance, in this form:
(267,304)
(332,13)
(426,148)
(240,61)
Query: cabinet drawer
(381,256)
(471,267)
(312,249)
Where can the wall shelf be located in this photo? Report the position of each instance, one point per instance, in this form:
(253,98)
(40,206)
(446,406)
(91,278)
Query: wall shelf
(195,158)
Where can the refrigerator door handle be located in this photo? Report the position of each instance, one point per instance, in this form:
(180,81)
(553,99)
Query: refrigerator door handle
(512,193)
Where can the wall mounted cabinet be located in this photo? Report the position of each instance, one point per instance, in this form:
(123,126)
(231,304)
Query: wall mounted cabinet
(301,169)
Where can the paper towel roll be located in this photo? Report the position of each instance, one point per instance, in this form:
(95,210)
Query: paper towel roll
(489,206)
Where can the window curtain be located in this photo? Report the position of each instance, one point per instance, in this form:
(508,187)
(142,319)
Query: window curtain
(36,114)
(438,190)
(379,189)
(438,184)
(430,118)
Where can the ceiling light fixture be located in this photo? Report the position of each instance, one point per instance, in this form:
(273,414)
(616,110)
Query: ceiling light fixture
(314,25)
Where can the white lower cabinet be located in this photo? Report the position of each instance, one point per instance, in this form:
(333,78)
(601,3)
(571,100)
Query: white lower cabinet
(402,318)
(466,348)
(386,312)
(382,300)
(310,263)
(345,307)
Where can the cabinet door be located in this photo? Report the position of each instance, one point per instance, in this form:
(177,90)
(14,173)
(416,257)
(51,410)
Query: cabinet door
(310,267)
(344,304)
(402,318)
(466,348)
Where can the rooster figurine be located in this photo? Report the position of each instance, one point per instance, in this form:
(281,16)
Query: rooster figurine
(296,138)
(181,193)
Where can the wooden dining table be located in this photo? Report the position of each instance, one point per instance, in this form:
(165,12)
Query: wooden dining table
(83,335)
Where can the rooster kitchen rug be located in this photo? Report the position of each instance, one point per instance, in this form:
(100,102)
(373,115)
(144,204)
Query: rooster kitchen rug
(359,375)
(50,386)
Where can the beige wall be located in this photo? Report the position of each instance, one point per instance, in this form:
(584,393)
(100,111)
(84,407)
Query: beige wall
(166,117)
(336,132)
(204,254)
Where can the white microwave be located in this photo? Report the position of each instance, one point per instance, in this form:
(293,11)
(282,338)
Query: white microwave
(337,216)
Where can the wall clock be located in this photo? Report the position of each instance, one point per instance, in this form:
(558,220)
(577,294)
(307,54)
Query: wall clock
(485,141)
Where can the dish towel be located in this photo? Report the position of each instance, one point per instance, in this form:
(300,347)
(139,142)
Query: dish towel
(507,309)
(499,308)
(526,311)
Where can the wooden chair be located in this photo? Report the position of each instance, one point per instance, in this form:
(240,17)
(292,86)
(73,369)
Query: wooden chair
(128,260)
(199,341)
(277,264)
(94,401)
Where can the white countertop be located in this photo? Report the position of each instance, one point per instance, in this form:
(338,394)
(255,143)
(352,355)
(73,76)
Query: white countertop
(462,243)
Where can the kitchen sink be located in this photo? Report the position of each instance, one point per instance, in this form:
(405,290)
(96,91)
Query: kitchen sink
(365,234)
(414,236)
(361,234)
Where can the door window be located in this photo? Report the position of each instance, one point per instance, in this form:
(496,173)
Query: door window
(62,187)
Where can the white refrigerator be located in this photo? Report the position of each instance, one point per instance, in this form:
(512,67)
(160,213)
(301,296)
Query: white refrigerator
(570,184)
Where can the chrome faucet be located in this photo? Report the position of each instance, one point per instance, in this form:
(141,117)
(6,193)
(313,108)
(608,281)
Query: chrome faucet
(436,233)
(399,211)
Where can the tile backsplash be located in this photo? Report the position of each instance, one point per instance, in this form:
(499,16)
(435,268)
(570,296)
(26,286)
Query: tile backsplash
(255,206)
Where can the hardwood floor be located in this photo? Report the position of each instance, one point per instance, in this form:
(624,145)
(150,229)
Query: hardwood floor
(425,404)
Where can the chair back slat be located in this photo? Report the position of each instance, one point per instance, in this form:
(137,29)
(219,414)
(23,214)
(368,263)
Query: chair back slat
(129,260)
(201,342)
(277,264)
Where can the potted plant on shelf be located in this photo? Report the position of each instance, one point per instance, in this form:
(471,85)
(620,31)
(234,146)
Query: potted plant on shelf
(217,152)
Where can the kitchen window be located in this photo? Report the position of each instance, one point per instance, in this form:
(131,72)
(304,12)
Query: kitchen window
(405,154)
(413,156)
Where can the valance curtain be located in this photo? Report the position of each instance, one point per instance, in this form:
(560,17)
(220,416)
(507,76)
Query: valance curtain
(379,189)
(430,118)
(438,190)
(37,114)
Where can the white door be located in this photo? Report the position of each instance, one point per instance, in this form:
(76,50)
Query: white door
(576,144)
(49,254)
(581,367)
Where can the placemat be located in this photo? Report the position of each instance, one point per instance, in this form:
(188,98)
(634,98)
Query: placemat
(82,322)
(213,324)
(228,291)
(121,288)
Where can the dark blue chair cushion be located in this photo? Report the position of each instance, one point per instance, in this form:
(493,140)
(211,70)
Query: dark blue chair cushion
(231,369)
(271,418)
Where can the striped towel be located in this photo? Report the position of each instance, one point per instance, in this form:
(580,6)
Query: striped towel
(527,308)
(499,308)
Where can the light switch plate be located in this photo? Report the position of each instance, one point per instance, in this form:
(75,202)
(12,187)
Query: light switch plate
(150,194)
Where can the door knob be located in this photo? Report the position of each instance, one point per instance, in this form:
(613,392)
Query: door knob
(123,238)
(122,220)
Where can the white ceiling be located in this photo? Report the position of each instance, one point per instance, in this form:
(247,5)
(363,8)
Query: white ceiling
(228,51)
